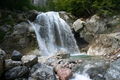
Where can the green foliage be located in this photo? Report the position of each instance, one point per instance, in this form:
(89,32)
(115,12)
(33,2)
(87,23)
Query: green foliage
(87,7)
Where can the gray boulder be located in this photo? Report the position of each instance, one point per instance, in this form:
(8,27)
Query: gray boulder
(113,73)
(10,64)
(16,56)
(17,72)
(95,68)
(42,72)
(29,60)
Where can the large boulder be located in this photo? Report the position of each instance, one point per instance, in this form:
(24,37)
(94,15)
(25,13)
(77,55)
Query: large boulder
(10,64)
(17,72)
(16,56)
(105,44)
(78,24)
(29,60)
(64,73)
(94,68)
(42,72)
(113,73)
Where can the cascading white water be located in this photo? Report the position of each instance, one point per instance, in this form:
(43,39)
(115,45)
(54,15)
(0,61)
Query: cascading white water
(53,34)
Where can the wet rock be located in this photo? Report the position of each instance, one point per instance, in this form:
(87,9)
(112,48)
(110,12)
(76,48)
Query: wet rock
(64,73)
(16,56)
(62,55)
(105,44)
(94,68)
(10,64)
(17,72)
(33,15)
(2,61)
(42,72)
(113,73)
(29,60)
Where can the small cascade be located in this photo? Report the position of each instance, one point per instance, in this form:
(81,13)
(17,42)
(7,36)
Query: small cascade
(82,75)
(53,34)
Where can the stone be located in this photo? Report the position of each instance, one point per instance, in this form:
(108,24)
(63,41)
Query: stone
(67,17)
(113,73)
(33,15)
(64,73)
(2,61)
(95,68)
(105,45)
(16,56)
(62,54)
(10,64)
(78,24)
(29,60)
(20,38)
(17,72)
(95,24)
(42,72)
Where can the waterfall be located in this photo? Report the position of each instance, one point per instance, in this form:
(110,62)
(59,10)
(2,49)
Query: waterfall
(53,34)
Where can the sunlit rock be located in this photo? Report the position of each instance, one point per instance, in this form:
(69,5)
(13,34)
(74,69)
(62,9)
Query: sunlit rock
(29,60)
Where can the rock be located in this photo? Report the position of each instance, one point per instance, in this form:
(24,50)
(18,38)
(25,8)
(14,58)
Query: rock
(105,44)
(64,73)
(17,72)
(95,24)
(2,61)
(42,72)
(95,68)
(78,24)
(10,64)
(21,28)
(21,79)
(113,73)
(67,17)
(16,56)
(33,15)
(29,60)
(62,54)
(20,38)
(2,53)
(5,28)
